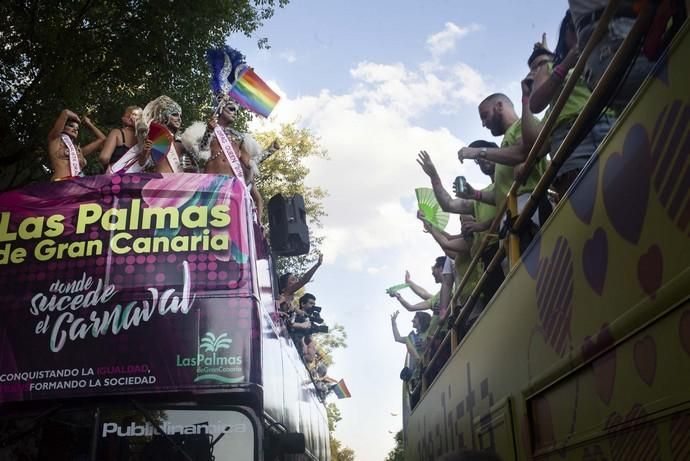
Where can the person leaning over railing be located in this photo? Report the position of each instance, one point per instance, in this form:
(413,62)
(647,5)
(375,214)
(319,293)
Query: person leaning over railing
(415,342)
(498,115)
(585,16)
(483,213)
(542,86)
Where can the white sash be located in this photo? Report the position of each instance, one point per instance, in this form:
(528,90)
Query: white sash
(229,152)
(173,159)
(74,165)
(128,163)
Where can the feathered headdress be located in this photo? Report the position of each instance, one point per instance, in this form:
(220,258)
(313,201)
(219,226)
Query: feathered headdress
(231,75)
(225,64)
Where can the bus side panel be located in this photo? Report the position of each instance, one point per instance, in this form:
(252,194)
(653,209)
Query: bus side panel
(614,256)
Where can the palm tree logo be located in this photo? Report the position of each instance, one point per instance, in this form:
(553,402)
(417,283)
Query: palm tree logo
(212,343)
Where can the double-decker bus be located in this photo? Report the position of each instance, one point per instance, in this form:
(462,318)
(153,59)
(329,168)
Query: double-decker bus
(139,322)
(584,352)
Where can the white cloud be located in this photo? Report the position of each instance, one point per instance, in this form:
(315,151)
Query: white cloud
(373,140)
(442,42)
(289,56)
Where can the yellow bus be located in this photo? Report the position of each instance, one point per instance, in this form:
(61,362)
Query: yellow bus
(584,352)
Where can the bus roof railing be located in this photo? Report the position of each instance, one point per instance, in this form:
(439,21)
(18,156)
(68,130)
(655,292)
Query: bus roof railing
(595,104)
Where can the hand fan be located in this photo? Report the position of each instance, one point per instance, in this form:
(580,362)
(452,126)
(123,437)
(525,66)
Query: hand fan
(162,140)
(396,288)
(430,207)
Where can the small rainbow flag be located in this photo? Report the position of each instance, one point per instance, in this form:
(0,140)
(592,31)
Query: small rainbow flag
(341,390)
(252,93)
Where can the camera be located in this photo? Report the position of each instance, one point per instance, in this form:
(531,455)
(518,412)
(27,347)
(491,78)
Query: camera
(314,315)
(460,185)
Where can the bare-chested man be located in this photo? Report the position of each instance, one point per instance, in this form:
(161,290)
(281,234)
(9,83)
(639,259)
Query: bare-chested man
(67,158)
(245,147)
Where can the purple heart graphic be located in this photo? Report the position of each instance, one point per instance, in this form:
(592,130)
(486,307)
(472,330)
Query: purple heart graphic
(671,157)
(584,195)
(626,184)
(633,436)
(555,295)
(595,257)
(603,367)
(531,257)
(650,270)
(644,355)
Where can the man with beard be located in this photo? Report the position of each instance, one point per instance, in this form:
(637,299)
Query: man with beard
(498,115)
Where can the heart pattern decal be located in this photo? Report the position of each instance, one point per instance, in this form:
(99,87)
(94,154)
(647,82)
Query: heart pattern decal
(595,258)
(626,184)
(603,367)
(650,270)
(555,295)
(670,154)
(630,440)
(583,197)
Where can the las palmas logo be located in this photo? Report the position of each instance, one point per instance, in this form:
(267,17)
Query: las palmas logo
(211,363)
(211,343)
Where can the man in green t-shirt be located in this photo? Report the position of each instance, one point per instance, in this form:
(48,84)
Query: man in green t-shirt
(498,115)
(483,216)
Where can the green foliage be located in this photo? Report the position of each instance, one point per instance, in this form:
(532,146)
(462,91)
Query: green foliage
(99,57)
(328,342)
(398,451)
(284,172)
(338,451)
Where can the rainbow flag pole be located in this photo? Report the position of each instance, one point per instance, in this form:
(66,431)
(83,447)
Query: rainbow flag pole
(253,94)
(340,390)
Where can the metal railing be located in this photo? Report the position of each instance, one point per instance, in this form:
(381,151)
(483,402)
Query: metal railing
(597,101)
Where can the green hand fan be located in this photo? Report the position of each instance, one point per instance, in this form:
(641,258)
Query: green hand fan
(396,288)
(430,207)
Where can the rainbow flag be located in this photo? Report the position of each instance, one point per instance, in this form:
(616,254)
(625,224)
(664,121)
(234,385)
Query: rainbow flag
(252,93)
(341,390)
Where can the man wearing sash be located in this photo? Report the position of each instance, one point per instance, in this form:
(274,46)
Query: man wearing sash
(66,156)
(233,153)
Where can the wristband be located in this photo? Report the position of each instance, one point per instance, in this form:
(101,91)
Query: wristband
(477,195)
(560,71)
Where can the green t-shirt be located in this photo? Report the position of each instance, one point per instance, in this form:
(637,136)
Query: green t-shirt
(462,262)
(504,175)
(483,212)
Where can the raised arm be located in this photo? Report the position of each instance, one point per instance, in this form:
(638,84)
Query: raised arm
(100,137)
(108,147)
(59,124)
(305,278)
(530,126)
(421,306)
(511,155)
(549,81)
(453,205)
(417,289)
(394,327)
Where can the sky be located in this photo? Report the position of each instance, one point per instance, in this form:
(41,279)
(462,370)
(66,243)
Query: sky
(376,82)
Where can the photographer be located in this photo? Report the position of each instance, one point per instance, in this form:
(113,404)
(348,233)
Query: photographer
(306,321)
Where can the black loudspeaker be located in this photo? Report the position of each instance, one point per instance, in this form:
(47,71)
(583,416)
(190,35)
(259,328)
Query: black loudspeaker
(287,219)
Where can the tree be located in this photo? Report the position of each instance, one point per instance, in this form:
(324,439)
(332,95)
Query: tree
(398,451)
(338,452)
(101,56)
(284,172)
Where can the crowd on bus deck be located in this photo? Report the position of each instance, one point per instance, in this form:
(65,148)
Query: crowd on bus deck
(477,207)
(129,149)
(304,323)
